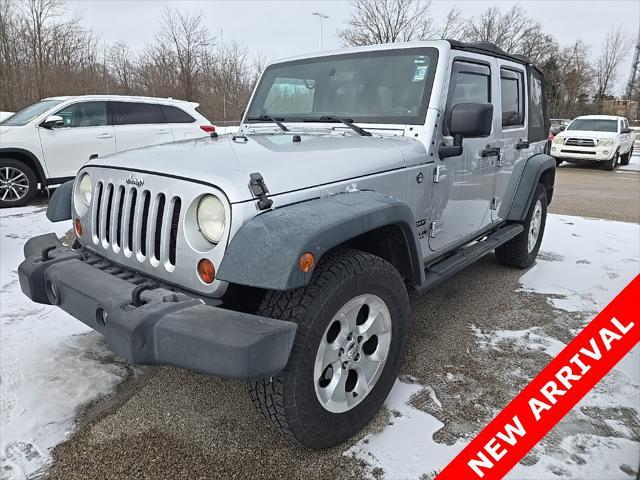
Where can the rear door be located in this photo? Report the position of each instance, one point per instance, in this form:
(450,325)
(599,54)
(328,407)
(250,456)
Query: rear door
(139,124)
(513,140)
(464,188)
(182,124)
(86,133)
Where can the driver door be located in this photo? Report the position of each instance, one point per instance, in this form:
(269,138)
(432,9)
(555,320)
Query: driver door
(86,133)
(464,186)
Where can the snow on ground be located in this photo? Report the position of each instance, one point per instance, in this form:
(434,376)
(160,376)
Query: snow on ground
(583,264)
(50,364)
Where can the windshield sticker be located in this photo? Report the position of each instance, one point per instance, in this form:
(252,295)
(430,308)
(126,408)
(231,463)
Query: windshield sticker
(421,72)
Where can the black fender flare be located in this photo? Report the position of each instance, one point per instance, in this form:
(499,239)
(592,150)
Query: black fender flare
(42,177)
(59,208)
(533,170)
(265,251)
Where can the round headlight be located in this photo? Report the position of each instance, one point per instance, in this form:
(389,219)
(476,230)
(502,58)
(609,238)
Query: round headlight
(211,218)
(85,189)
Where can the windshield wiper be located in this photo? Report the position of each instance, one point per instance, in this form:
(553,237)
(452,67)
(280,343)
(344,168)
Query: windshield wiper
(347,121)
(269,118)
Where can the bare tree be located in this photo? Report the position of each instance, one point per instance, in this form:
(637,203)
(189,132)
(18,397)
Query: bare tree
(187,38)
(513,31)
(120,65)
(387,21)
(616,46)
(452,27)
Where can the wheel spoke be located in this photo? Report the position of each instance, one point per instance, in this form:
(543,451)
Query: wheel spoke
(336,389)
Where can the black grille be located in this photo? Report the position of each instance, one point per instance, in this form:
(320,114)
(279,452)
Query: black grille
(175,220)
(580,142)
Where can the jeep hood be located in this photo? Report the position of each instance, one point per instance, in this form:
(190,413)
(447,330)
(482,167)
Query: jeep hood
(285,165)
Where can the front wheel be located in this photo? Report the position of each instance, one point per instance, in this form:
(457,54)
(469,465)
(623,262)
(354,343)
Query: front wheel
(352,327)
(18,183)
(624,159)
(522,250)
(611,164)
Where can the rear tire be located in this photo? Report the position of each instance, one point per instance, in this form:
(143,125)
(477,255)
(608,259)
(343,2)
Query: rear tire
(18,183)
(522,250)
(320,406)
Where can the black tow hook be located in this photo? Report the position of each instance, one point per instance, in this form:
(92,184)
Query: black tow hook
(136,294)
(45,253)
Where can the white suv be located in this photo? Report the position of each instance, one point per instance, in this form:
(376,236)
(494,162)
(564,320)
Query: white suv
(604,139)
(46,143)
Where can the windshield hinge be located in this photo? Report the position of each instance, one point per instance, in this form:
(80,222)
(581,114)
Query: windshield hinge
(259,190)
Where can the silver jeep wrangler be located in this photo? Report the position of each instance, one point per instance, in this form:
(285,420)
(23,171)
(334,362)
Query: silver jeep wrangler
(285,254)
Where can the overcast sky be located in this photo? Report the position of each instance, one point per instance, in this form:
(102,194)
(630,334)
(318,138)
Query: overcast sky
(287,27)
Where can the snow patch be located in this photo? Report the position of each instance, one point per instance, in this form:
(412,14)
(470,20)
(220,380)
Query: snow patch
(583,264)
(50,363)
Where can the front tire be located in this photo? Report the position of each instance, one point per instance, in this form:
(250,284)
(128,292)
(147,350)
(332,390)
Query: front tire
(559,162)
(522,250)
(611,164)
(18,183)
(352,328)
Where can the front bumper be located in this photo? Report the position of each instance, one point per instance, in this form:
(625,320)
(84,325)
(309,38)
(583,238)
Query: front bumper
(149,324)
(593,154)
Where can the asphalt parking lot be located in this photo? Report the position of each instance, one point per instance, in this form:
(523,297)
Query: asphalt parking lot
(165,422)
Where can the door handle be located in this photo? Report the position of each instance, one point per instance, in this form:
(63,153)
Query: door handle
(162,131)
(105,135)
(490,152)
(522,144)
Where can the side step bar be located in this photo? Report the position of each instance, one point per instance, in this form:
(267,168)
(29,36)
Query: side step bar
(465,256)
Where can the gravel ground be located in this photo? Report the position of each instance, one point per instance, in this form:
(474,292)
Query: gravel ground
(170,423)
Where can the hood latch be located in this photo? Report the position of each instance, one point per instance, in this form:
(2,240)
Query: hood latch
(259,190)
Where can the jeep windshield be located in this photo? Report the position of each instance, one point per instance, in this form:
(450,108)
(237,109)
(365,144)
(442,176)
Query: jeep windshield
(27,114)
(594,125)
(386,86)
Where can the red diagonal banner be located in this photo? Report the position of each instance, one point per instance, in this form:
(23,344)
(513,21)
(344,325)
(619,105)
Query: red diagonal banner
(553,392)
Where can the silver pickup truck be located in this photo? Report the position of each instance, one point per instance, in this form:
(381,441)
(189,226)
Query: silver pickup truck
(285,254)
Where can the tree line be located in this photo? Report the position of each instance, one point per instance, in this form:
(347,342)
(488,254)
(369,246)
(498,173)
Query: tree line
(577,80)
(46,51)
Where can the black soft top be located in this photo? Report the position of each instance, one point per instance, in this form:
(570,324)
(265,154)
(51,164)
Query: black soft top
(488,48)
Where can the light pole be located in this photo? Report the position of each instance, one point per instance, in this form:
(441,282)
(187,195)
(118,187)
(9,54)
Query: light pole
(321,16)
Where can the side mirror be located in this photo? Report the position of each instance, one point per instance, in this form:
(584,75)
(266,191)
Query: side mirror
(562,128)
(471,120)
(53,121)
(626,130)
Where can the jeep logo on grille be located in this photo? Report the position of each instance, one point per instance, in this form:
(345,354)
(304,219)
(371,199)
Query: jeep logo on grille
(133,180)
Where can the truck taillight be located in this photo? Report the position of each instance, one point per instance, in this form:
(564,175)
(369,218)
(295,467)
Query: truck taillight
(208,128)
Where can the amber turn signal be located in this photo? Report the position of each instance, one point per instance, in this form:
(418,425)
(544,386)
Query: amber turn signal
(206,270)
(78,226)
(306,262)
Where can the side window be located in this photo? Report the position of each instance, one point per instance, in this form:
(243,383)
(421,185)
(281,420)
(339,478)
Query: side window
(84,114)
(538,128)
(132,113)
(470,83)
(512,94)
(176,115)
